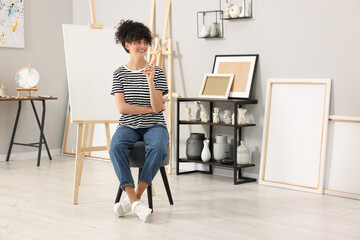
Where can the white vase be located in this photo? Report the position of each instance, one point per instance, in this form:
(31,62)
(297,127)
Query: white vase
(220,147)
(205,153)
(2,91)
(235,11)
(214,30)
(204,31)
(241,116)
(243,154)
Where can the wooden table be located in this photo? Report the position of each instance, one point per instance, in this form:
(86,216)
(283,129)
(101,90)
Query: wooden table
(42,139)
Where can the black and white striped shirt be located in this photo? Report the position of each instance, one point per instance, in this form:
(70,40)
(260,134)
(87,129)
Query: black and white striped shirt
(136,92)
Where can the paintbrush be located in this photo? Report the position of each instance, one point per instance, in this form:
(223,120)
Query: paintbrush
(158,51)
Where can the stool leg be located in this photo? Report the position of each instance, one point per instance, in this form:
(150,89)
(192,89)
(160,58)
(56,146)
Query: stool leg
(149,194)
(166,184)
(118,196)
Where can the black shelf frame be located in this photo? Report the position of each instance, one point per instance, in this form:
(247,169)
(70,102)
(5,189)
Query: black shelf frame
(237,103)
(218,19)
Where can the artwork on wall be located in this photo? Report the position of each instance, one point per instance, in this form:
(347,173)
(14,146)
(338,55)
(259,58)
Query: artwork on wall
(216,85)
(243,67)
(295,133)
(12,23)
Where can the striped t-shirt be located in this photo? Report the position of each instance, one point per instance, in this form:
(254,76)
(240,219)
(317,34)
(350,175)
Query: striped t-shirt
(135,87)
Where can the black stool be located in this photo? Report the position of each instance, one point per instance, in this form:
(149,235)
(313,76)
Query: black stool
(137,159)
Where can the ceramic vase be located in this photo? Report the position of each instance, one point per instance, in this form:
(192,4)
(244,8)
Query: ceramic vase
(243,154)
(214,30)
(241,116)
(235,11)
(205,153)
(204,31)
(221,146)
(194,146)
(2,91)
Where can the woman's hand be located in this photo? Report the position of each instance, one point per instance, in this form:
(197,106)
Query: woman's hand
(163,106)
(149,72)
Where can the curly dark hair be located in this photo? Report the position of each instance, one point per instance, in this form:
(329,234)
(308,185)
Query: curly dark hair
(129,31)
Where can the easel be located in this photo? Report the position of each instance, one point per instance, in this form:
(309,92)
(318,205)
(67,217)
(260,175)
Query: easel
(155,54)
(28,90)
(83,129)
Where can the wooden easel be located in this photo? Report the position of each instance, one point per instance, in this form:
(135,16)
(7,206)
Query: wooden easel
(81,149)
(154,53)
(93,23)
(28,90)
(83,129)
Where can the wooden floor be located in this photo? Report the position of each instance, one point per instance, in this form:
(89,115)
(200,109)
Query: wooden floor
(35,203)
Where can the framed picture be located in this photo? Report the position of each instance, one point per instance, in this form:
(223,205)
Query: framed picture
(243,67)
(12,24)
(216,85)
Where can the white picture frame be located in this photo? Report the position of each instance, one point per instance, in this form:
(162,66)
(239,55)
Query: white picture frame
(216,86)
(295,134)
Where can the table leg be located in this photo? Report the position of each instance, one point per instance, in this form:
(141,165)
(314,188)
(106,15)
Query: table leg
(41,125)
(14,131)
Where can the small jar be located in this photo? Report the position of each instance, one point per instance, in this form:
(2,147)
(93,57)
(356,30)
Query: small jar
(220,147)
(243,154)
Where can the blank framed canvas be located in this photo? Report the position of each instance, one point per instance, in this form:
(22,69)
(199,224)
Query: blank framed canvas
(342,169)
(295,131)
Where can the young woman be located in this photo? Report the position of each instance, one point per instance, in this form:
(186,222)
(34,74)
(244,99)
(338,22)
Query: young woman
(138,88)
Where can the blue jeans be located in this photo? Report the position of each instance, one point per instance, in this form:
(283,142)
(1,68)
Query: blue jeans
(156,139)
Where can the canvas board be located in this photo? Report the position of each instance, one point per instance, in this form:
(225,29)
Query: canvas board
(91,58)
(342,176)
(295,134)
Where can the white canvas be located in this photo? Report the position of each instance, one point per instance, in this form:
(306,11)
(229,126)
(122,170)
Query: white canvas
(91,58)
(295,130)
(342,176)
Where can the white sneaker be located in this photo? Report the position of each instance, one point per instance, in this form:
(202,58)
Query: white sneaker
(142,211)
(122,208)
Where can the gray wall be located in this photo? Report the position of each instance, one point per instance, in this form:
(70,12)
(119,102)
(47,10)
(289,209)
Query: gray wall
(44,49)
(295,39)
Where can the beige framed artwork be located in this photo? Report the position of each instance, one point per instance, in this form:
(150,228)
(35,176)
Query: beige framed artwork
(216,85)
(243,67)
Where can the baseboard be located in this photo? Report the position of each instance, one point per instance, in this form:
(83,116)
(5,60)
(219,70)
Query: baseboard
(27,155)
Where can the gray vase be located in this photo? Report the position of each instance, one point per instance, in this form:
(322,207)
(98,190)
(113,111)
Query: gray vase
(194,145)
